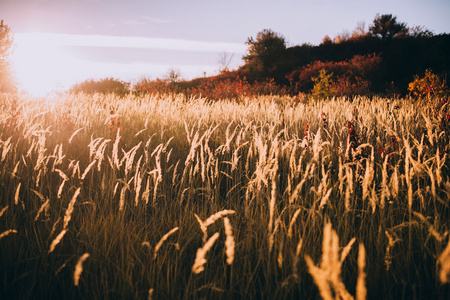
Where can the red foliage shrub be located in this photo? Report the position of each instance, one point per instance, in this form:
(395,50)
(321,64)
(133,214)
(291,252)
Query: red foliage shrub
(353,75)
(157,86)
(226,85)
(221,89)
(216,89)
(349,86)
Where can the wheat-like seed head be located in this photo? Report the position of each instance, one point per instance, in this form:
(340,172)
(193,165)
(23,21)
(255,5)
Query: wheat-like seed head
(361,291)
(229,242)
(443,263)
(161,241)
(86,171)
(200,260)
(3,210)
(45,206)
(291,223)
(57,240)
(327,276)
(79,269)
(5,233)
(69,210)
(74,134)
(341,176)
(349,189)
(211,220)
(16,196)
(150,294)
(122,197)
(16,167)
(320,279)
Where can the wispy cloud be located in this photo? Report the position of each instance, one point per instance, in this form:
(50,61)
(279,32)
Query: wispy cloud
(44,62)
(157,20)
(143,20)
(129,42)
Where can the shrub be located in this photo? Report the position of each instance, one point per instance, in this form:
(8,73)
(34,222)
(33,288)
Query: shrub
(216,88)
(103,86)
(430,85)
(350,86)
(221,89)
(360,70)
(323,85)
(158,86)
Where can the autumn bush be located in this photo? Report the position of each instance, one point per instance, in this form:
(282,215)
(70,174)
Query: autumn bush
(353,76)
(222,86)
(323,85)
(157,86)
(430,85)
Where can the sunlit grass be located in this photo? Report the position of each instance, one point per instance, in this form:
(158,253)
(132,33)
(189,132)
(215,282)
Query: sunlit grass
(187,198)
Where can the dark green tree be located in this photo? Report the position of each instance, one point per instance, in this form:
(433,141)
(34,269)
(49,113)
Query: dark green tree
(386,26)
(7,81)
(265,51)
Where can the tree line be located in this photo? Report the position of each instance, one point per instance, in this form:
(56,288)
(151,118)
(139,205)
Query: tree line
(387,56)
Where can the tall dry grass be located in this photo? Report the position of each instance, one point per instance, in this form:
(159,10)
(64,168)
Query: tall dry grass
(68,186)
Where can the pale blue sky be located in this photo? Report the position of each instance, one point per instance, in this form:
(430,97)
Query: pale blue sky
(214,26)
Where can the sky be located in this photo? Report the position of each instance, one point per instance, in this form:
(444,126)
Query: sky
(62,42)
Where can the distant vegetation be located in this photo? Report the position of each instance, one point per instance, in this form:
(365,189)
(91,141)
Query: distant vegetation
(103,86)
(382,60)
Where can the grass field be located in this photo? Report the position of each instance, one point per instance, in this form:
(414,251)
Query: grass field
(171,198)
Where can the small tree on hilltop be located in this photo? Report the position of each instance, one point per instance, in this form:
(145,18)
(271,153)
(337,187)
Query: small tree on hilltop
(265,50)
(386,26)
(173,76)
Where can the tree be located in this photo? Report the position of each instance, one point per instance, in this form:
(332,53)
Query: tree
(265,50)
(103,86)
(173,76)
(386,26)
(224,61)
(419,32)
(7,82)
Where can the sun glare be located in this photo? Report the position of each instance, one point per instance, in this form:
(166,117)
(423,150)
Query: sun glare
(47,62)
(41,65)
